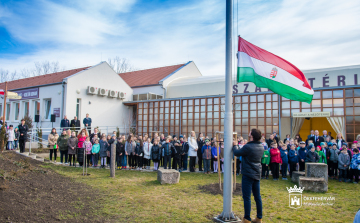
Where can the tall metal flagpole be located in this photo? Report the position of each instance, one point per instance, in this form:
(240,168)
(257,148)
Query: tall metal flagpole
(227,214)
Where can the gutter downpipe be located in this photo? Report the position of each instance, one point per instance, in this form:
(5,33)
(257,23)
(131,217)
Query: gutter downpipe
(63,98)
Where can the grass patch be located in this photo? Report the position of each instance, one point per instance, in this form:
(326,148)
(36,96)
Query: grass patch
(134,196)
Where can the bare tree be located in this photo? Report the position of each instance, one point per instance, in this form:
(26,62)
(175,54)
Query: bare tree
(120,65)
(41,68)
(5,75)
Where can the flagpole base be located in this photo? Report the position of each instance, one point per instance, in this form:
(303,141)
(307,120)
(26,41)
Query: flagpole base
(229,219)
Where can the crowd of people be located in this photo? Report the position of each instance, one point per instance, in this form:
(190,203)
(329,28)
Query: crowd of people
(286,156)
(140,152)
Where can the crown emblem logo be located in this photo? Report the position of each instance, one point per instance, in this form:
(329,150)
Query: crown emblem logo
(295,189)
(273,72)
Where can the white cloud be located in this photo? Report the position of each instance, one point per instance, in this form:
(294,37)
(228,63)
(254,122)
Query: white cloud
(309,34)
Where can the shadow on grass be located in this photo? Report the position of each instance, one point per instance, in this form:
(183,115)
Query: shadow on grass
(151,183)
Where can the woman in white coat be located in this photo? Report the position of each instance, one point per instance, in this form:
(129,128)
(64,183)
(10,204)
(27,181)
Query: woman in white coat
(193,148)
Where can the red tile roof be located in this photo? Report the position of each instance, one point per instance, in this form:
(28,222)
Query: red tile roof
(149,76)
(40,80)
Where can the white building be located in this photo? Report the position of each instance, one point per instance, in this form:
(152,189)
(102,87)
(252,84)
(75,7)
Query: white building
(66,93)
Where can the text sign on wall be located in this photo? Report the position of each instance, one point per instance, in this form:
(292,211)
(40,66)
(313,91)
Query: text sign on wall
(57,112)
(310,114)
(28,93)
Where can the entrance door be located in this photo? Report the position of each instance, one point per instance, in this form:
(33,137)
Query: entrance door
(320,124)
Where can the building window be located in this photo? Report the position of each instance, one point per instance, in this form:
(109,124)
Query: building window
(26,108)
(78,111)
(47,103)
(17,110)
(36,108)
(7,111)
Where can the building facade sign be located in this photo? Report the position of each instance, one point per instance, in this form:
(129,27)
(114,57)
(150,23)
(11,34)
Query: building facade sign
(28,93)
(316,80)
(57,112)
(310,114)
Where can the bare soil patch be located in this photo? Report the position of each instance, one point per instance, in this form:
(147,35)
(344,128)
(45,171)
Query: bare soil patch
(31,193)
(214,189)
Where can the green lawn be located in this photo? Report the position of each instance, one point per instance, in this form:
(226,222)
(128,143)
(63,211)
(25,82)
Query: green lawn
(134,196)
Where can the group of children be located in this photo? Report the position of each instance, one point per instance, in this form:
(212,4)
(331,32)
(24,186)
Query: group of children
(13,136)
(287,157)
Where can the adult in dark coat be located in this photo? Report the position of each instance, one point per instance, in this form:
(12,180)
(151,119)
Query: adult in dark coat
(317,139)
(23,129)
(251,154)
(276,137)
(201,143)
(65,123)
(271,140)
(75,123)
(87,123)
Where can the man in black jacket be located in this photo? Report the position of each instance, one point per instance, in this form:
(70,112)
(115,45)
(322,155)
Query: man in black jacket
(23,129)
(65,123)
(75,123)
(251,154)
(317,139)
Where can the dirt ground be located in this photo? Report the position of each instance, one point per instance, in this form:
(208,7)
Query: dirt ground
(214,189)
(31,193)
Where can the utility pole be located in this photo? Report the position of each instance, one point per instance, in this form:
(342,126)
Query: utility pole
(5,94)
(227,215)
(112,159)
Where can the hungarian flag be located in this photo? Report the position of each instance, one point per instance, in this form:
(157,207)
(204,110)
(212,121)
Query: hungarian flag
(267,70)
(2,92)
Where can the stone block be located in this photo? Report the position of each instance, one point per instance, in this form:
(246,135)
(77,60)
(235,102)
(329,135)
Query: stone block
(313,184)
(168,176)
(316,170)
(295,176)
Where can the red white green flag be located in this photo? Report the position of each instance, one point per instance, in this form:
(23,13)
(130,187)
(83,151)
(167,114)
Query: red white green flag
(267,70)
(2,92)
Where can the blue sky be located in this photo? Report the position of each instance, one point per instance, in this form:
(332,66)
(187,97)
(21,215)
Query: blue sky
(310,34)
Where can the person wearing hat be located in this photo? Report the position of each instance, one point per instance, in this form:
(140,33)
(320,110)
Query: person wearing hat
(311,155)
(302,155)
(322,157)
(206,155)
(177,154)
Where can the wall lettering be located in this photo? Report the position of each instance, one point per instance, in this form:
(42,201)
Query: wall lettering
(246,87)
(235,89)
(341,80)
(257,89)
(311,81)
(326,81)
(355,79)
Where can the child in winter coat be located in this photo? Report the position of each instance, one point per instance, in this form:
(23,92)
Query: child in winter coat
(355,165)
(10,138)
(285,161)
(322,157)
(206,155)
(139,153)
(185,150)
(155,154)
(120,151)
(343,164)
(275,160)
(147,151)
(293,159)
(62,142)
(334,157)
(167,149)
(302,156)
(103,151)
(17,136)
(72,144)
(265,161)
(88,147)
(95,152)
(214,155)
(312,156)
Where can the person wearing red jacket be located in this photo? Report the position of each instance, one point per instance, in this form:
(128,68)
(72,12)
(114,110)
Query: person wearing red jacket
(275,160)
